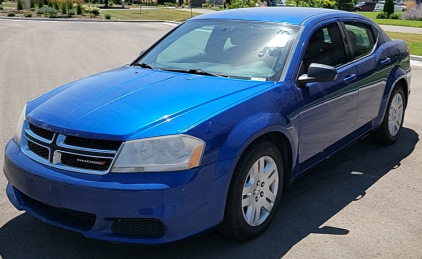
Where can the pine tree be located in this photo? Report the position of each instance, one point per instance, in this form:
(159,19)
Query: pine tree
(389,7)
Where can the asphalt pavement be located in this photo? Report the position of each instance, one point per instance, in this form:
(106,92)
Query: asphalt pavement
(365,202)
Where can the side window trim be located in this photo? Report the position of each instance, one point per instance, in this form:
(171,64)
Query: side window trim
(345,39)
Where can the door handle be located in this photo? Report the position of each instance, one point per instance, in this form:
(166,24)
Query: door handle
(348,79)
(386,61)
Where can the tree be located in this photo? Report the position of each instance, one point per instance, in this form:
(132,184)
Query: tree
(20,5)
(389,7)
(345,5)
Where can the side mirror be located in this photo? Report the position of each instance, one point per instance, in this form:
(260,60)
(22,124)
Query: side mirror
(318,73)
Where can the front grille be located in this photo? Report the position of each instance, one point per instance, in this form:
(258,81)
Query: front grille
(90,163)
(92,143)
(42,132)
(84,155)
(38,150)
(71,218)
(148,228)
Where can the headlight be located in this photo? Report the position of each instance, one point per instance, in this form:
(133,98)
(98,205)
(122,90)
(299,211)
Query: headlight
(169,153)
(20,125)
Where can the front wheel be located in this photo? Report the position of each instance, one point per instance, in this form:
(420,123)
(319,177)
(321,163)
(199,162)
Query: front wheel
(254,192)
(392,124)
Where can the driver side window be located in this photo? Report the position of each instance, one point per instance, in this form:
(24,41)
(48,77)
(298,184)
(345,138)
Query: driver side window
(325,47)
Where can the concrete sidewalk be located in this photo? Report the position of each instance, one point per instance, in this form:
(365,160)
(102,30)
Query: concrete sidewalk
(401,29)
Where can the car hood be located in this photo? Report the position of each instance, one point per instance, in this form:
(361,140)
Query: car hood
(132,102)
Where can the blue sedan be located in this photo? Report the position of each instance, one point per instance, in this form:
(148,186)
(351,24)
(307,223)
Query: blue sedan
(207,127)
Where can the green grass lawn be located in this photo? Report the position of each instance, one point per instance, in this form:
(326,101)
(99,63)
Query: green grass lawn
(8,4)
(149,14)
(414,41)
(407,23)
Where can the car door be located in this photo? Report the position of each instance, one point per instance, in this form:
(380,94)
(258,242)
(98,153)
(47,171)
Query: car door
(327,110)
(373,66)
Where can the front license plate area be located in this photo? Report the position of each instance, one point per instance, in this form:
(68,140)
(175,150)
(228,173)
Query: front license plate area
(43,192)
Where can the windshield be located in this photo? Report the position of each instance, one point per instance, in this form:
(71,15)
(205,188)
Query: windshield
(235,49)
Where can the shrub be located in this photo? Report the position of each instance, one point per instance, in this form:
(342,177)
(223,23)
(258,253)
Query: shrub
(53,15)
(389,7)
(91,9)
(72,12)
(47,10)
(345,5)
(382,15)
(95,12)
(79,9)
(412,13)
(32,4)
(11,14)
(110,3)
(63,8)
(108,16)
(241,4)
(28,15)
(395,16)
(410,4)
(56,5)
(20,5)
(327,4)
(40,3)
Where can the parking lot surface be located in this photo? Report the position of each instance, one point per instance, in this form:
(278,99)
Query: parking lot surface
(365,202)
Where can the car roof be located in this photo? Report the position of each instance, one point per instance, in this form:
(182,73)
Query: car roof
(291,15)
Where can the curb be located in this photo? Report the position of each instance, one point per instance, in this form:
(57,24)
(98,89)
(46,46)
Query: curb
(79,20)
(416,58)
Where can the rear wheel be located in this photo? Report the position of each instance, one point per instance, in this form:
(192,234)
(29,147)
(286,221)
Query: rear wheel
(392,124)
(254,191)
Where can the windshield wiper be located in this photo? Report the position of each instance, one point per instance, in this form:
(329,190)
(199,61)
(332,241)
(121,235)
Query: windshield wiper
(145,65)
(202,72)
(197,72)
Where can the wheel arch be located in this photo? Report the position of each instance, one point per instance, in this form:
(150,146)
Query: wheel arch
(271,127)
(397,77)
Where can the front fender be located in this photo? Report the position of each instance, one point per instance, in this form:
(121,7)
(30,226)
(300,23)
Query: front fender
(248,130)
(240,137)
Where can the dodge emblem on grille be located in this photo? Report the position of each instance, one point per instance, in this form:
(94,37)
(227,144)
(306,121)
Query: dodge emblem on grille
(90,161)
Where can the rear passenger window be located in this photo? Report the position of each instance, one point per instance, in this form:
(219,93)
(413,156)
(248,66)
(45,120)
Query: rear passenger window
(361,39)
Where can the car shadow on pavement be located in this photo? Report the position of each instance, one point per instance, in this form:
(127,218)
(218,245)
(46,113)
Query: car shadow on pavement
(305,207)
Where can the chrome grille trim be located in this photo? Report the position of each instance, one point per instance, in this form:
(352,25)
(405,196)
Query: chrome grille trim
(60,142)
(41,139)
(83,159)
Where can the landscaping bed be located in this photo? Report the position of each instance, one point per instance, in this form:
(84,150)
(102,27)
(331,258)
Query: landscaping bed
(33,14)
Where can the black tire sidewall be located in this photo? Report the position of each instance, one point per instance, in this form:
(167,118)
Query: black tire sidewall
(390,138)
(261,149)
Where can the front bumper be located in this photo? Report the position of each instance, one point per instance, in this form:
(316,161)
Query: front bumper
(162,207)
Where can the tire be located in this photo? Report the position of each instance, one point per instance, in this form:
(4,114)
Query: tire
(252,198)
(392,124)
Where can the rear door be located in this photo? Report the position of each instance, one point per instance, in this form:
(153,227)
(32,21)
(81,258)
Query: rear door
(373,64)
